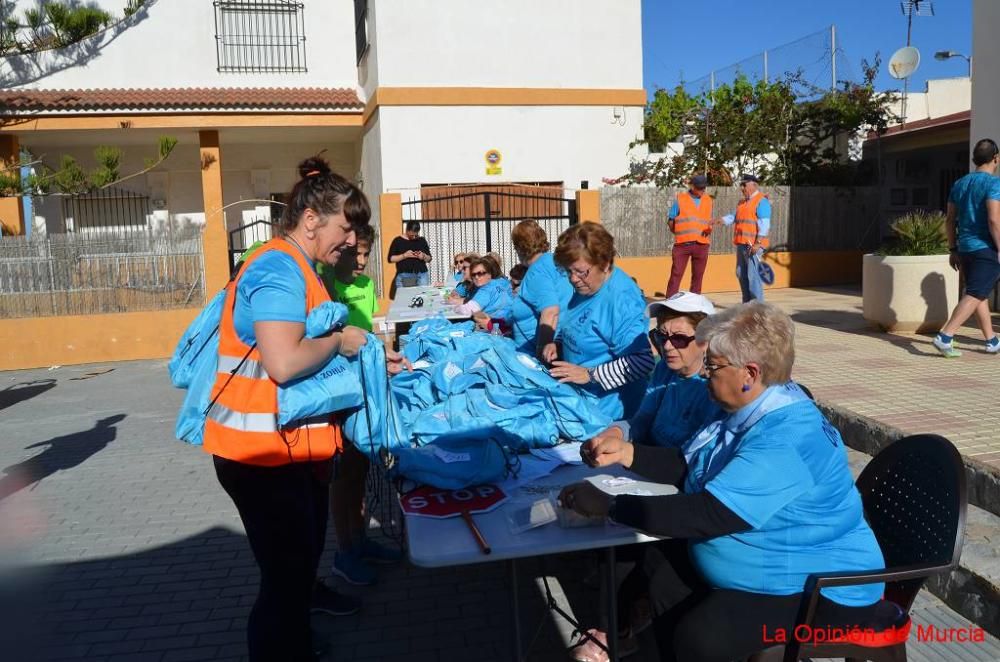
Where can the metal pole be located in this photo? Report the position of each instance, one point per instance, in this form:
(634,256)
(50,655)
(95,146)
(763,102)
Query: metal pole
(489,214)
(833,56)
(612,638)
(711,78)
(765,66)
(515,610)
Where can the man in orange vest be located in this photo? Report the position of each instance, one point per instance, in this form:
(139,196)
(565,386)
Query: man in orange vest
(753,222)
(690,219)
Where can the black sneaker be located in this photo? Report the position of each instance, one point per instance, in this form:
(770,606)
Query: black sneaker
(329,601)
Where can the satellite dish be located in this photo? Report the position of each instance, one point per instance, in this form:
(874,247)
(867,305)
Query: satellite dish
(904,62)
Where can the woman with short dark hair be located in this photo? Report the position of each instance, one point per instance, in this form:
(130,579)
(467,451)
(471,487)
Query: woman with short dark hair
(411,254)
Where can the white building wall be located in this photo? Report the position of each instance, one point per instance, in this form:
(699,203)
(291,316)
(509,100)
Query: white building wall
(537,143)
(985,71)
(941,96)
(171,43)
(513,43)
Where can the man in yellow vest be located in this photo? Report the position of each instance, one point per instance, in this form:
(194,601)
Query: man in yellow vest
(753,222)
(690,219)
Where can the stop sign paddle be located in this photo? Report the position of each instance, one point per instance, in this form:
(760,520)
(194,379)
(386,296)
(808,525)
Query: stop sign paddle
(434,502)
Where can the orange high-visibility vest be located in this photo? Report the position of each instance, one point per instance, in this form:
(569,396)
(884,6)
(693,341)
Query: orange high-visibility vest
(693,222)
(745,231)
(242,425)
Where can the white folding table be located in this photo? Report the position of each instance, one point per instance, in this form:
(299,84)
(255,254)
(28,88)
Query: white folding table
(435,543)
(402,311)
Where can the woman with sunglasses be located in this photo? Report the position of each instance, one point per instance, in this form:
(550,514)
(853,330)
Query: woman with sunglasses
(463,288)
(767,499)
(492,294)
(677,404)
(603,329)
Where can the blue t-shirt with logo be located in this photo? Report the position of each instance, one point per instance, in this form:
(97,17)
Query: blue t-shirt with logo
(543,286)
(969,195)
(787,477)
(271,289)
(603,326)
(673,409)
(494,298)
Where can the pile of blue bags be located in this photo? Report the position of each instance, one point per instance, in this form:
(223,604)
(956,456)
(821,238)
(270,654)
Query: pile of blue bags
(471,403)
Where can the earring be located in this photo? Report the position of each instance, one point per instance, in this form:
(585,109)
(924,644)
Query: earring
(746,387)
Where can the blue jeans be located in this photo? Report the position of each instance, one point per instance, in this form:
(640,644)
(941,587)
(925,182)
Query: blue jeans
(747,274)
(422,279)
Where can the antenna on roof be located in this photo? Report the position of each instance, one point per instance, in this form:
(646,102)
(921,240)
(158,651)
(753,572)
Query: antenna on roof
(917,7)
(911,8)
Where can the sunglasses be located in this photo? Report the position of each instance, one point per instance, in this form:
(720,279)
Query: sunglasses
(417,302)
(678,340)
(477,274)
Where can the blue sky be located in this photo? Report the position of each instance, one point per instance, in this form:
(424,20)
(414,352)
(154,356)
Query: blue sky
(695,37)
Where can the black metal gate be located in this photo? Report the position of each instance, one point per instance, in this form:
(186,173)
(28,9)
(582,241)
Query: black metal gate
(245,236)
(481,222)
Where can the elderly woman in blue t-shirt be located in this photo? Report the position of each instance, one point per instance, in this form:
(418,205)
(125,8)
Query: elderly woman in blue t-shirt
(603,328)
(767,500)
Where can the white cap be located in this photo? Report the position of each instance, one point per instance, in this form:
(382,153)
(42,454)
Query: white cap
(682,302)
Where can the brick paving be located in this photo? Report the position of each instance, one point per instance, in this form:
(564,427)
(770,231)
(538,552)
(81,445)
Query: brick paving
(116,542)
(896,379)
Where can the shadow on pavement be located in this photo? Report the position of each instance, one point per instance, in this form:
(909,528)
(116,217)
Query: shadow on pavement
(24,391)
(190,599)
(59,454)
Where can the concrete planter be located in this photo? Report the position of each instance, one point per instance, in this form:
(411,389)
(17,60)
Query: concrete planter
(908,293)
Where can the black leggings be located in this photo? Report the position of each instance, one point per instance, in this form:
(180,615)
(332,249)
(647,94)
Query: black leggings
(284,511)
(696,623)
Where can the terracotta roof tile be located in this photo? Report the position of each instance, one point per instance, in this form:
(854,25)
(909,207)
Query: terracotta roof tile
(172,99)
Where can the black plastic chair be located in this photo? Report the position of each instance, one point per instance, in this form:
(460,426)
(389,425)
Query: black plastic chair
(914,497)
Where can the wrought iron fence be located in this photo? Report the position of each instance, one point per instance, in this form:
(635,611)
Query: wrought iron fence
(260,36)
(106,210)
(802,218)
(98,272)
(467,219)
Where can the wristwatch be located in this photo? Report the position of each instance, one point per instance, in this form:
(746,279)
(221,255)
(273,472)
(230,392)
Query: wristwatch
(590,375)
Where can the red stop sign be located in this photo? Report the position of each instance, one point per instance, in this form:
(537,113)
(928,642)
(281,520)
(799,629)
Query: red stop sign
(429,501)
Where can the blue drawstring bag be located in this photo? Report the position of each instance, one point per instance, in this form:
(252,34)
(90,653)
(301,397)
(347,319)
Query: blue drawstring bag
(376,423)
(334,387)
(458,460)
(196,343)
(193,367)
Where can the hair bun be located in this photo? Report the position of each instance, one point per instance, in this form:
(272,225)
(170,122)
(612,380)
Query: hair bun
(313,166)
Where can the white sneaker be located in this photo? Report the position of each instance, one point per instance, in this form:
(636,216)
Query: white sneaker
(946,348)
(993,348)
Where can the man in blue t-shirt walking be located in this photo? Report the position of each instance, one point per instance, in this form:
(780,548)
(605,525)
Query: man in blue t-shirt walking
(974,207)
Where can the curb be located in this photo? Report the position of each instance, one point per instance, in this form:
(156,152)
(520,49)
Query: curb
(869,436)
(967,589)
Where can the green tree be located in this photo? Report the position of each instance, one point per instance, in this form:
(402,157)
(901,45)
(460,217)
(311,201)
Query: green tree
(785,130)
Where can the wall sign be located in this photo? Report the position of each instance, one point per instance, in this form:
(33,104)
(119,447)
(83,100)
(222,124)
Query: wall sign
(493,159)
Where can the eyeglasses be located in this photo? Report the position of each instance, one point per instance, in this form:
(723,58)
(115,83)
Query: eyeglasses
(582,275)
(477,274)
(678,340)
(712,368)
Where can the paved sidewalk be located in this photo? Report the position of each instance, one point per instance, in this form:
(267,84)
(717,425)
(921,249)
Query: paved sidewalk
(896,379)
(116,542)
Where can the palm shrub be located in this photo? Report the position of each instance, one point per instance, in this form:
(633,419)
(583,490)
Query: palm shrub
(917,233)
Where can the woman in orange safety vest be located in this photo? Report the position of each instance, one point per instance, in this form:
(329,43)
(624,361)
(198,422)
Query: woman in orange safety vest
(277,476)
